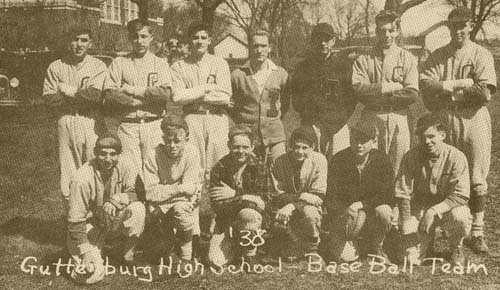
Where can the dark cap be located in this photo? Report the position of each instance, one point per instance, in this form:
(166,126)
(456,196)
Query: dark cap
(367,129)
(386,16)
(304,133)
(196,26)
(323,29)
(174,121)
(460,14)
(241,129)
(109,140)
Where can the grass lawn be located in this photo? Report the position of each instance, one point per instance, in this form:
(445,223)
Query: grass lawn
(31,225)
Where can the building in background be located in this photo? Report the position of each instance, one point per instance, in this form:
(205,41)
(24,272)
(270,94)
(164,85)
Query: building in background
(36,25)
(231,47)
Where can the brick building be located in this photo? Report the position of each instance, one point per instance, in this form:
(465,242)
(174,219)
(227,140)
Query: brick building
(43,24)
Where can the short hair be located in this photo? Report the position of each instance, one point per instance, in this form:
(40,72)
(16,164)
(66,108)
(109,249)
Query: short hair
(196,26)
(387,16)
(79,30)
(430,120)
(262,32)
(170,122)
(108,140)
(304,133)
(137,24)
(241,129)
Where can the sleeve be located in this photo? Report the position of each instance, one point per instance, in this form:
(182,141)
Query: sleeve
(296,89)
(409,94)
(279,173)
(112,84)
(285,94)
(366,92)
(384,189)
(318,182)
(336,190)
(431,84)
(223,90)
(484,80)
(192,177)
(155,191)
(79,210)
(459,182)
(404,186)
(50,92)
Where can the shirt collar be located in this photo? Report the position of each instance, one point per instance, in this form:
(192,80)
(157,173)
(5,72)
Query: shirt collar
(269,63)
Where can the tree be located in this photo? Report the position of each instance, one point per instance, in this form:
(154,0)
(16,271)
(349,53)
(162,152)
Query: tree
(369,15)
(482,10)
(208,8)
(348,19)
(400,7)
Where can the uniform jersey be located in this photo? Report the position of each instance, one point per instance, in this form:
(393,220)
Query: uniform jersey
(149,71)
(90,73)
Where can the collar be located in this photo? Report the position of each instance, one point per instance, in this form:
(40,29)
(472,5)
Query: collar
(386,51)
(192,59)
(269,63)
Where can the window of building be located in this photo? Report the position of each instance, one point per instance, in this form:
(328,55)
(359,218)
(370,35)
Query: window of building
(110,10)
(131,11)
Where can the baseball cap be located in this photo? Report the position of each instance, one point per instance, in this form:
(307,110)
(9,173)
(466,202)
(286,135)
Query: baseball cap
(109,140)
(304,133)
(386,15)
(460,14)
(367,129)
(323,29)
(241,129)
(174,121)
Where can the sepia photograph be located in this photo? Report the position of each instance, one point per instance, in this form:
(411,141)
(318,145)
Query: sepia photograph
(250,144)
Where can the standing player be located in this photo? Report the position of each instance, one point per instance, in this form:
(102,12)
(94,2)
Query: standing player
(385,80)
(322,92)
(202,85)
(300,176)
(74,84)
(432,189)
(457,82)
(103,202)
(137,90)
(172,179)
(259,97)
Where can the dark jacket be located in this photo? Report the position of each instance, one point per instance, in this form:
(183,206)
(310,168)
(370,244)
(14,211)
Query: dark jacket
(345,185)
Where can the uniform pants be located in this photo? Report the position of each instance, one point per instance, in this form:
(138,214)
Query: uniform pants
(305,225)
(329,142)
(184,218)
(470,131)
(129,222)
(225,245)
(77,137)
(343,247)
(393,133)
(456,222)
(138,138)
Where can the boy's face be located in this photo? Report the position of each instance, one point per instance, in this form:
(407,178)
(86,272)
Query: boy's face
(260,48)
(175,139)
(362,144)
(432,140)
(240,147)
(460,31)
(79,45)
(386,33)
(141,40)
(200,42)
(107,158)
(323,44)
(301,150)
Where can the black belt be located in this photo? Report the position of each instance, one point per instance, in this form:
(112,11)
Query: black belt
(140,120)
(206,112)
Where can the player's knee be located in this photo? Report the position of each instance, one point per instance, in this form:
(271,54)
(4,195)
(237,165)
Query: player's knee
(383,213)
(184,215)
(461,216)
(311,213)
(249,219)
(137,210)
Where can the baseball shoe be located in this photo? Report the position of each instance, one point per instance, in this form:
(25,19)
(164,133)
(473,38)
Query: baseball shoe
(477,245)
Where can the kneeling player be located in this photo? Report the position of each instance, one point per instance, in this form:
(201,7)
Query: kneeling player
(102,201)
(360,195)
(300,177)
(172,179)
(432,189)
(235,201)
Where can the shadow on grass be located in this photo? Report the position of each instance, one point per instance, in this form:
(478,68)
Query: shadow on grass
(51,232)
